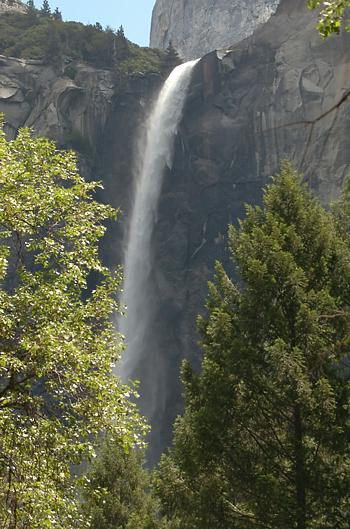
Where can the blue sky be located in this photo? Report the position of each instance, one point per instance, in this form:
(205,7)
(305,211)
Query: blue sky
(134,15)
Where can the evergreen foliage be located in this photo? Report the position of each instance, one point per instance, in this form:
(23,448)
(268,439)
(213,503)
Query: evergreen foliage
(57,15)
(46,9)
(28,36)
(57,342)
(265,437)
(170,60)
(121,46)
(117,492)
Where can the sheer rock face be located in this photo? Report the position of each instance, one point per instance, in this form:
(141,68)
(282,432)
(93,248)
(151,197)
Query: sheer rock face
(197,27)
(89,113)
(12,5)
(281,93)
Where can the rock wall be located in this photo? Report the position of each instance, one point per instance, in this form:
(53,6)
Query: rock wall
(12,5)
(281,93)
(87,109)
(197,27)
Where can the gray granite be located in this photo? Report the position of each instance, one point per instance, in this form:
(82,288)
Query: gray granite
(12,5)
(197,27)
(281,93)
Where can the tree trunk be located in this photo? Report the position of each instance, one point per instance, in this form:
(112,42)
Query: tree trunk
(299,469)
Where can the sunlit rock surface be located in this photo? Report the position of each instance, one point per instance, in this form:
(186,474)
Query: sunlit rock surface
(12,5)
(197,27)
(281,93)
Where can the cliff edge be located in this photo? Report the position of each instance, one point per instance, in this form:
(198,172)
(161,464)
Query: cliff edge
(200,26)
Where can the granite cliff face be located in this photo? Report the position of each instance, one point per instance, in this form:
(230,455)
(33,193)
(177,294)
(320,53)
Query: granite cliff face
(200,26)
(12,6)
(33,94)
(281,93)
(95,113)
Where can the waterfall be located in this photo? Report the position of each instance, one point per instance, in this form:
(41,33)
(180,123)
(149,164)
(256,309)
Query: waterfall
(155,154)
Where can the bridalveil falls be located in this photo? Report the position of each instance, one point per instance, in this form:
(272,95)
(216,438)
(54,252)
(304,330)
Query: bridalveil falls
(142,361)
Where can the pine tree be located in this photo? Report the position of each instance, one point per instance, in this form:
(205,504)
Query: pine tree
(121,46)
(117,492)
(31,7)
(53,46)
(45,10)
(57,15)
(265,437)
(171,60)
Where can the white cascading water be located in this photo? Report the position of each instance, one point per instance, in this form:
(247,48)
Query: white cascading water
(154,155)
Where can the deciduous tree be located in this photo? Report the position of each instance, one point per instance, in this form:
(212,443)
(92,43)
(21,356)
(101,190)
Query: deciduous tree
(333,15)
(57,343)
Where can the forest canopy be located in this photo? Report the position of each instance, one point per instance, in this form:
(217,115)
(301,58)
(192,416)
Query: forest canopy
(44,36)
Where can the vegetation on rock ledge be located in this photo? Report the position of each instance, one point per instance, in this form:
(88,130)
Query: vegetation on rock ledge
(42,35)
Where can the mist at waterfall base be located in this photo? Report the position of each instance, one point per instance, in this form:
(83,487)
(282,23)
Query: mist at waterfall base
(144,358)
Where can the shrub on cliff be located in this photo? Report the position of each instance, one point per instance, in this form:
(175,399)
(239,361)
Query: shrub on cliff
(34,36)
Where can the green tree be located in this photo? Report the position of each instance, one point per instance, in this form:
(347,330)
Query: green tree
(53,53)
(264,440)
(121,46)
(117,493)
(46,9)
(57,15)
(31,11)
(57,342)
(30,6)
(333,14)
(27,37)
(170,60)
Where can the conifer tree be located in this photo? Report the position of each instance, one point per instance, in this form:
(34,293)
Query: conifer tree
(121,46)
(46,9)
(31,8)
(57,15)
(265,437)
(117,492)
(53,49)
(171,60)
